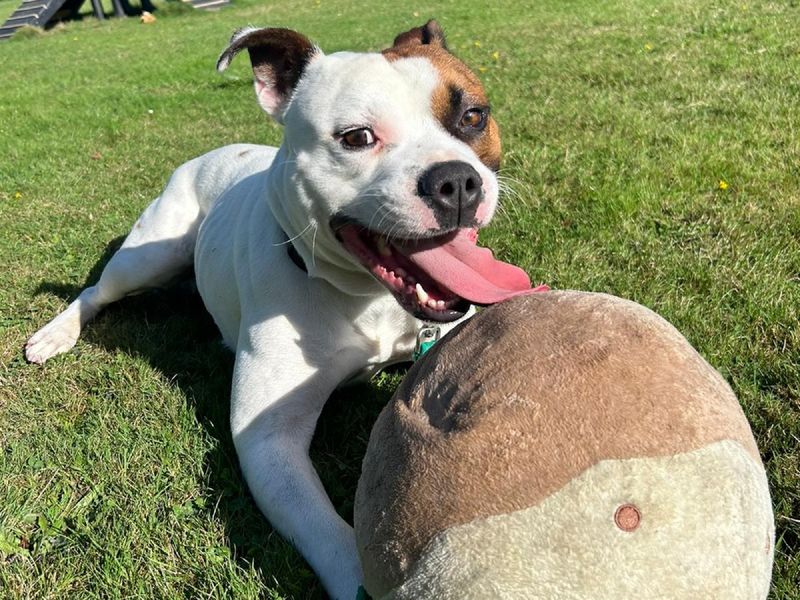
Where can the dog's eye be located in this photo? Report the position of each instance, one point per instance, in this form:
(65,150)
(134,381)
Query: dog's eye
(474,118)
(358,138)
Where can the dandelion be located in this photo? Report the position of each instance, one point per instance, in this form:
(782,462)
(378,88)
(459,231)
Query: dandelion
(416,14)
(482,69)
(150,111)
(477,43)
(18,195)
(723,185)
(496,55)
(648,47)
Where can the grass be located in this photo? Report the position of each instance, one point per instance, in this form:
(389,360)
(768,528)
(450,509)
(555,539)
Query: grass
(620,121)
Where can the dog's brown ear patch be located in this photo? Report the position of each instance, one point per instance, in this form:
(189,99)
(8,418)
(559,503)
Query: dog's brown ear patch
(458,91)
(278,57)
(430,33)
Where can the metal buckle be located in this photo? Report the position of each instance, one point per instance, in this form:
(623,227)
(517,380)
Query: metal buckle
(427,336)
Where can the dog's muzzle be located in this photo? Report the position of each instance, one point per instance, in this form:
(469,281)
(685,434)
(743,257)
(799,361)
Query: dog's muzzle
(435,278)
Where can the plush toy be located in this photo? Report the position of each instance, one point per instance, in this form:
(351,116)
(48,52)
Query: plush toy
(564,445)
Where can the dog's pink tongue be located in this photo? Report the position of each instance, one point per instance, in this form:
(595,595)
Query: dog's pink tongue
(468,270)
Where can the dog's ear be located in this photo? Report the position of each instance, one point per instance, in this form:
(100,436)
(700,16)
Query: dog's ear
(278,57)
(430,33)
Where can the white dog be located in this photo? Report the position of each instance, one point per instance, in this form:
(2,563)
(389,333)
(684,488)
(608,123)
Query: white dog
(326,257)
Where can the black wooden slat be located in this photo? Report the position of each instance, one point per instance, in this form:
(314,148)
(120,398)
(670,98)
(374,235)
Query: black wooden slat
(24,12)
(208,4)
(18,21)
(39,5)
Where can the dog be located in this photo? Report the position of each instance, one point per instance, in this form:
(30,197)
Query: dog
(324,258)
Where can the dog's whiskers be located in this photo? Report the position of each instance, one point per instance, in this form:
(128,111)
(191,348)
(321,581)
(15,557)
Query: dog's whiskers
(291,239)
(511,197)
(314,246)
(387,212)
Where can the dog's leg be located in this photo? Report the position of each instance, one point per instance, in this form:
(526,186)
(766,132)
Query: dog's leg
(158,248)
(278,393)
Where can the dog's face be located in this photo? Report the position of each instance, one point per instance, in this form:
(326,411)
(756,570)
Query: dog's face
(395,155)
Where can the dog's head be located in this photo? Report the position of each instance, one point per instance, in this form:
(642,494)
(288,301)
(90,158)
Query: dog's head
(394,157)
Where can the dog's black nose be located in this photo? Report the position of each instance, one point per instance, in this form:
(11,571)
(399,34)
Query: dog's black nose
(454,190)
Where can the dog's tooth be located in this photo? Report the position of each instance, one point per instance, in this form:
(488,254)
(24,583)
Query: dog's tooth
(440,304)
(422,295)
(383,246)
(432,303)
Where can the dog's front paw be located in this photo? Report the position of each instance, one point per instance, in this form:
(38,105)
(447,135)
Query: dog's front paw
(54,338)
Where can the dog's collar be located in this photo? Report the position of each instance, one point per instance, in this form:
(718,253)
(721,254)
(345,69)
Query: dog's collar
(296,258)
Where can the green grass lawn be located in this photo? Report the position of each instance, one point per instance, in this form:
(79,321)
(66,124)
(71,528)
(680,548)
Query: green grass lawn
(621,122)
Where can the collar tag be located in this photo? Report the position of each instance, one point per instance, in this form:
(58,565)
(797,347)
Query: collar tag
(428,335)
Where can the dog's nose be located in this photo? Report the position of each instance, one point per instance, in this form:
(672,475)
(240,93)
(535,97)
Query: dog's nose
(454,188)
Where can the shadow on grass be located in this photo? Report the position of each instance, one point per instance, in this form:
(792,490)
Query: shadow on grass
(172,330)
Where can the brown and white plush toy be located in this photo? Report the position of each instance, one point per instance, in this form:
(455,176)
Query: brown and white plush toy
(564,445)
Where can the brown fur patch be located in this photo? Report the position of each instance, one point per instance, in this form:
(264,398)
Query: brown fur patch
(278,56)
(454,75)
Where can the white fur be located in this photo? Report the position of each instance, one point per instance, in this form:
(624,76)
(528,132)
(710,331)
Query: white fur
(297,336)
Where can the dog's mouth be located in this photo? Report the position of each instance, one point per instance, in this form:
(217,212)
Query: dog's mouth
(437,278)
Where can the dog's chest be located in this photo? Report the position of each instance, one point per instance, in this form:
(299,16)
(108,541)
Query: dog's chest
(389,332)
